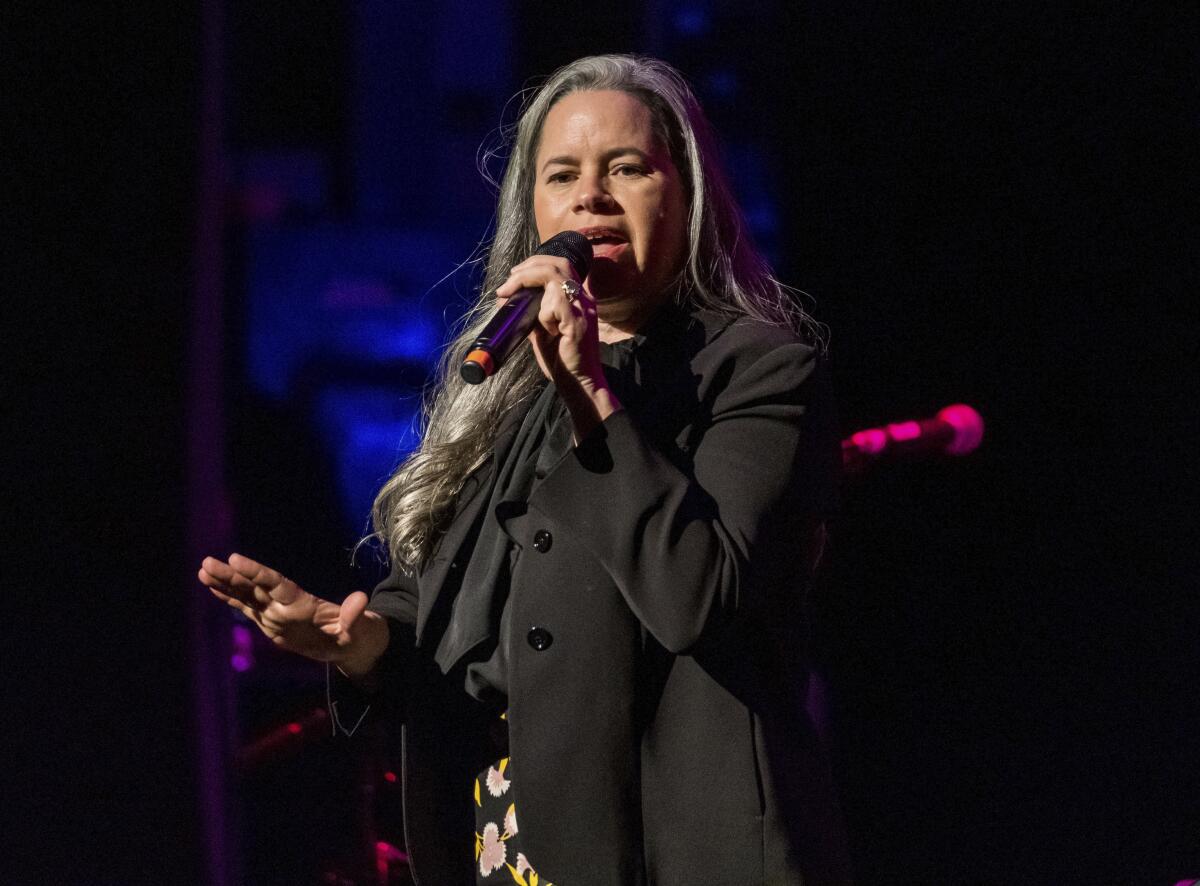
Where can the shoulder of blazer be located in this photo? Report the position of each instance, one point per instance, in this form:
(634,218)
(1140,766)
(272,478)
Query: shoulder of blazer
(743,349)
(747,337)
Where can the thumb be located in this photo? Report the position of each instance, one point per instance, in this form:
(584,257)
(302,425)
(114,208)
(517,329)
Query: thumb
(352,607)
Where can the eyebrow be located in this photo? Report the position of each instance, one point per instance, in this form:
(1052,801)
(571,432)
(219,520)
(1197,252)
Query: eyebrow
(567,159)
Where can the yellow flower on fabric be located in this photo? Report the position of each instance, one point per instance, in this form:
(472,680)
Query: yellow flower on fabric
(523,867)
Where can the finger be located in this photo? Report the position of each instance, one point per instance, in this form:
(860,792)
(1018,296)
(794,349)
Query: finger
(585,296)
(268,584)
(208,573)
(544,351)
(551,265)
(561,315)
(583,323)
(218,569)
(210,576)
(529,278)
(249,593)
(352,607)
(212,583)
(235,603)
(549,317)
(254,571)
(535,275)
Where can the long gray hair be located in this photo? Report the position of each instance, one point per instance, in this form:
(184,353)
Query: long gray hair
(722,272)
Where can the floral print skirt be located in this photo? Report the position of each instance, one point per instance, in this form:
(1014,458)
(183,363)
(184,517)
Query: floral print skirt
(499,853)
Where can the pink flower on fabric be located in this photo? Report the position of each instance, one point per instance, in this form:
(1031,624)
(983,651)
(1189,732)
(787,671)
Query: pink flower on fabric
(491,858)
(510,821)
(497,784)
(522,863)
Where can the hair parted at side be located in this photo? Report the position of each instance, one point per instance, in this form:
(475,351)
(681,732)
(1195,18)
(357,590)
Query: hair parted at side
(722,272)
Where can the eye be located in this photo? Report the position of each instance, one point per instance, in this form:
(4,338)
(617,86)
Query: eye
(629,170)
(558,178)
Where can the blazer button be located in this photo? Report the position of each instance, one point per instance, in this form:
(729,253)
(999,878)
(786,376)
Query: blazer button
(539,639)
(542,541)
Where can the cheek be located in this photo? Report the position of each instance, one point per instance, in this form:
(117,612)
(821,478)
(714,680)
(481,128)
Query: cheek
(669,222)
(545,217)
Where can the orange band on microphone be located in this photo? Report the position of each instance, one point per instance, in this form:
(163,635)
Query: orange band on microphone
(484,359)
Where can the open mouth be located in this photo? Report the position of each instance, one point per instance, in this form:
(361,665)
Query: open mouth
(605,241)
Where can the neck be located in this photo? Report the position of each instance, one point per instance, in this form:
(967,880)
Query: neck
(611,333)
(619,320)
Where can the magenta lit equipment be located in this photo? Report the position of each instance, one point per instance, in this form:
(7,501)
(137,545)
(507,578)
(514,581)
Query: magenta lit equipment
(955,430)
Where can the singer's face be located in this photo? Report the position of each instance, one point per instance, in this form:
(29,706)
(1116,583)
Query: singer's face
(602,170)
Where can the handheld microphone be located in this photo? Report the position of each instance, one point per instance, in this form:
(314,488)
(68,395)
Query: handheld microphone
(512,321)
(956,430)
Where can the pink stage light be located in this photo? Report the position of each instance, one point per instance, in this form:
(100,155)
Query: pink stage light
(968,428)
(871,441)
(242,657)
(904,431)
(956,430)
(284,738)
(385,855)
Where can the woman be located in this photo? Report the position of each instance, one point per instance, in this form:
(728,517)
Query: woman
(616,558)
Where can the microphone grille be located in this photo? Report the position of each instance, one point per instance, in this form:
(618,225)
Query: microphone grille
(572,246)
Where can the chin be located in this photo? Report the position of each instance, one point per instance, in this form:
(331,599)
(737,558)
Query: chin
(607,283)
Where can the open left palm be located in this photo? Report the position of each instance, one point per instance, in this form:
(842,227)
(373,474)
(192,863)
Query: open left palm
(290,616)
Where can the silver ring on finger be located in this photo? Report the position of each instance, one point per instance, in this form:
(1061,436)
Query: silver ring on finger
(571,290)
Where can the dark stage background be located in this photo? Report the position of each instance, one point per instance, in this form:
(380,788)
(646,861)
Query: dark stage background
(987,204)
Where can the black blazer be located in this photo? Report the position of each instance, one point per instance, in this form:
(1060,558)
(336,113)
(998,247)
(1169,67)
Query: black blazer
(657,670)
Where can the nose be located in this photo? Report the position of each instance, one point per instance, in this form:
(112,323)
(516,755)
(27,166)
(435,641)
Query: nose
(591,195)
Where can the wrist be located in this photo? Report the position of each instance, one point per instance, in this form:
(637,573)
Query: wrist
(590,407)
(370,641)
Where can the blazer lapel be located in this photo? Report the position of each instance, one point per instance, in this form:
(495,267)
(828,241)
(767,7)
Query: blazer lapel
(474,496)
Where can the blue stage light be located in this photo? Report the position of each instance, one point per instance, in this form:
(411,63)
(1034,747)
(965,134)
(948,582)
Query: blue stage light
(368,430)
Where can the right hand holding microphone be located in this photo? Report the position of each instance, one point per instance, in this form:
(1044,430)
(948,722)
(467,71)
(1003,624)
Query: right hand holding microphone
(294,619)
(564,336)
(565,339)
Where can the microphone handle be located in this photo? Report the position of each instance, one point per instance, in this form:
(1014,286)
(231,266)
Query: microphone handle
(504,333)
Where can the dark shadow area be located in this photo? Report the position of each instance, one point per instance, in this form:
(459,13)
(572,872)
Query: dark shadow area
(986,206)
(100,788)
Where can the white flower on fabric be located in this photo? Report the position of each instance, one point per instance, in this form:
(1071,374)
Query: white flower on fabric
(491,858)
(497,784)
(522,863)
(510,821)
